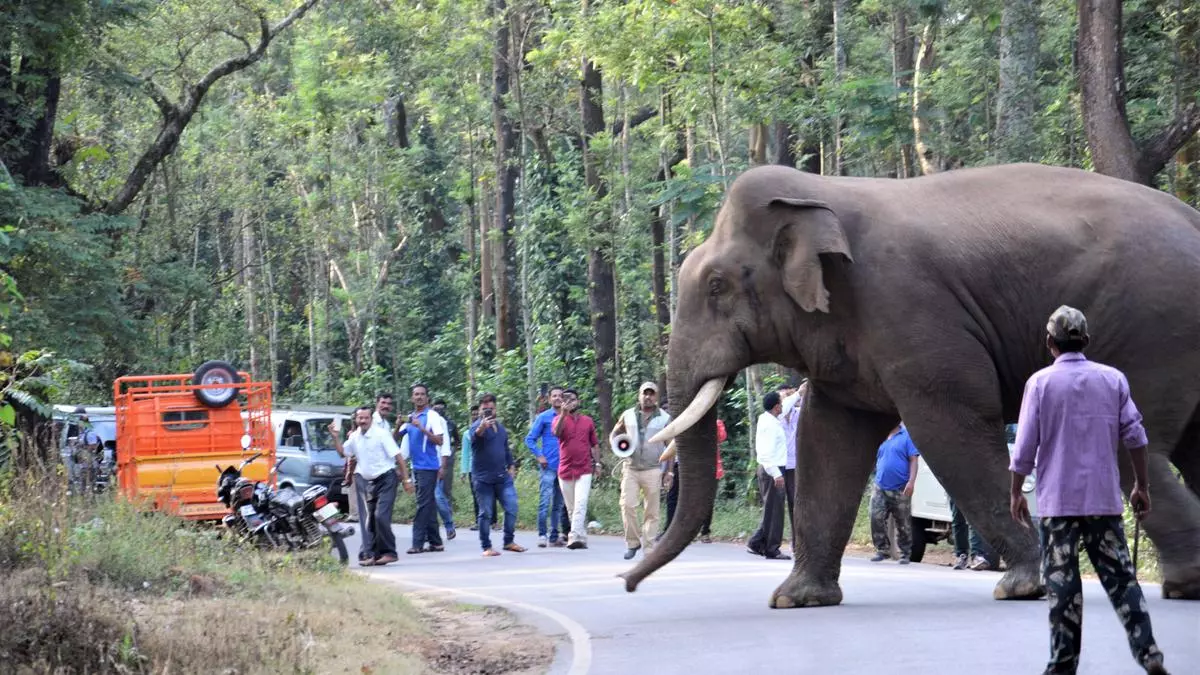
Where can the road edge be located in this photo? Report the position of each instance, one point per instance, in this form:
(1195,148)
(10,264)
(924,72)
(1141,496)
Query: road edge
(578,642)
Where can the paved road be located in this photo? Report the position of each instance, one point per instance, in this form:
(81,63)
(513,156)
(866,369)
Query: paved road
(707,613)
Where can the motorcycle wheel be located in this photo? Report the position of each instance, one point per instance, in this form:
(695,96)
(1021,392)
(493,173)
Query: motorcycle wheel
(338,549)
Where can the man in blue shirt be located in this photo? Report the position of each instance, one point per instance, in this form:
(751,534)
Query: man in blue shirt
(492,470)
(550,497)
(895,476)
(424,438)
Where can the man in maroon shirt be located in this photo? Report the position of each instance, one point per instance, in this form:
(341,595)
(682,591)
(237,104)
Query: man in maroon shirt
(578,454)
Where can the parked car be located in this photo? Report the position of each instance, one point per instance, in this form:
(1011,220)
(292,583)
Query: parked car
(96,470)
(304,450)
(931,517)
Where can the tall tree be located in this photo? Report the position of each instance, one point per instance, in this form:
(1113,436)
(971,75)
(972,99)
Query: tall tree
(507,167)
(1115,151)
(1016,104)
(601,283)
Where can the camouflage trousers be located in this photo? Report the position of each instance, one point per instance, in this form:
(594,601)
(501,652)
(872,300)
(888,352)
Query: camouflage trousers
(1104,540)
(892,503)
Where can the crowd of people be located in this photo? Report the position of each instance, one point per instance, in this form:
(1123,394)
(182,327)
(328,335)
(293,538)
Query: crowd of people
(1078,492)
(563,441)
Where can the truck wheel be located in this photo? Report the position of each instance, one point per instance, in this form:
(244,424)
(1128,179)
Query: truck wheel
(216,372)
(919,536)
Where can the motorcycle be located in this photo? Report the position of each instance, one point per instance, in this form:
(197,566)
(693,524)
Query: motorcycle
(280,519)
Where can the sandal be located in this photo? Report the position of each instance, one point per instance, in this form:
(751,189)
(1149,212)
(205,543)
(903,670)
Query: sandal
(514,547)
(414,550)
(490,553)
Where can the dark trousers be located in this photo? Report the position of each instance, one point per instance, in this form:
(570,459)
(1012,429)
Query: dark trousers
(769,535)
(490,493)
(475,504)
(1104,539)
(673,501)
(425,523)
(381,498)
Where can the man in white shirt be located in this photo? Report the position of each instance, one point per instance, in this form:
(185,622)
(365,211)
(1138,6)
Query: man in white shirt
(373,457)
(770,446)
(384,418)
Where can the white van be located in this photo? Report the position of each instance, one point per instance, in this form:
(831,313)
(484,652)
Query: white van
(931,516)
(304,450)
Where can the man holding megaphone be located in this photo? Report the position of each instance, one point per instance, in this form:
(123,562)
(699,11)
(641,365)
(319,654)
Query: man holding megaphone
(640,469)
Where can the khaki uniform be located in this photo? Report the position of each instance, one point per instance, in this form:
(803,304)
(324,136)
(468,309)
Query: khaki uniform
(641,476)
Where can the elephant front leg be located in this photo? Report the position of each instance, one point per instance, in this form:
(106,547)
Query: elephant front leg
(835,457)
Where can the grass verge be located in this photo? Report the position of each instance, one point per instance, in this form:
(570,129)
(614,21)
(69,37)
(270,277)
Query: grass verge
(96,585)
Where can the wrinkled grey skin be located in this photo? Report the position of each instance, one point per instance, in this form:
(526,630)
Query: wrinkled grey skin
(926,299)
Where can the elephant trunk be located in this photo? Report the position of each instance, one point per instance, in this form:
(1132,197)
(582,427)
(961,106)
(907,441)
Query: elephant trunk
(697,454)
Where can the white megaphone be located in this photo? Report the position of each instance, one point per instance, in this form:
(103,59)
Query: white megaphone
(623,445)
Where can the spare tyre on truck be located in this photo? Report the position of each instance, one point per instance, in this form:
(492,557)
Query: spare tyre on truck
(212,373)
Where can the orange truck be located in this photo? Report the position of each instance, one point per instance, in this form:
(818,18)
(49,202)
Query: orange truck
(174,430)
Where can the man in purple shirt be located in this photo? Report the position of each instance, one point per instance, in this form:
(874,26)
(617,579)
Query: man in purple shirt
(1074,417)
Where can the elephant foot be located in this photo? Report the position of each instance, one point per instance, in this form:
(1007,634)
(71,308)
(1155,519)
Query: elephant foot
(803,592)
(1181,583)
(1020,582)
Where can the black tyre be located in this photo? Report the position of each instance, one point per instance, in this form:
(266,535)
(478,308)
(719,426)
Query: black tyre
(216,372)
(338,550)
(919,538)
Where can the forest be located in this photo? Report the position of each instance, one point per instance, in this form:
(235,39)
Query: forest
(350,196)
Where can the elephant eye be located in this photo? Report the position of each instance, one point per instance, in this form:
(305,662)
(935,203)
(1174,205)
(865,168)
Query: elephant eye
(716,286)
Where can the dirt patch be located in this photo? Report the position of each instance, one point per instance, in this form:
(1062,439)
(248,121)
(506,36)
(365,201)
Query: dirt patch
(474,640)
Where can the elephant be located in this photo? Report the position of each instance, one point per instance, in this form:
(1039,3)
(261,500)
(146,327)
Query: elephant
(925,300)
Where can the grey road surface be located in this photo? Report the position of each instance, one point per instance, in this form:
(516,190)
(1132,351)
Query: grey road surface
(707,613)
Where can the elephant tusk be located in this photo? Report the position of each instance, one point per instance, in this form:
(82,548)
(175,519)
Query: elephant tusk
(704,400)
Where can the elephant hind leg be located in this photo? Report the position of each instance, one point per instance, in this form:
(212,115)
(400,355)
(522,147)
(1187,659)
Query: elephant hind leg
(1174,521)
(1186,455)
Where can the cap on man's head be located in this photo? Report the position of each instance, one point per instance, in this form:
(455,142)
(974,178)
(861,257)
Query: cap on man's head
(1067,323)
(648,385)
(80,410)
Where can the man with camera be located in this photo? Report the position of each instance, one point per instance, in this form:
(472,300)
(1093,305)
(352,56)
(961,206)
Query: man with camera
(641,474)
(492,470)
(424,438)
(578,455)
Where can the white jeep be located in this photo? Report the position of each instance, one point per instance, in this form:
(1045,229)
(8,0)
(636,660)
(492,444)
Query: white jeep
(931,517)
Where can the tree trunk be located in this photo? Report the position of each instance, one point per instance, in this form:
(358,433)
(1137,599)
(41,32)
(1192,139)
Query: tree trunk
(473,288)
(248,277)
(758,144)
(839,61)
(1016,107)
(924,67)
(1102,84)
(506,182)
(902,69)
(785,137)
(601,284)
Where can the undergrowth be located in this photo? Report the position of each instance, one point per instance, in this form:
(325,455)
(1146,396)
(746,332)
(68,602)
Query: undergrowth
(97,585)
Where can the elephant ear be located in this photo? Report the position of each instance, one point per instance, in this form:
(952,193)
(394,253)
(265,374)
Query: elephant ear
(810,228)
